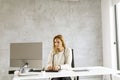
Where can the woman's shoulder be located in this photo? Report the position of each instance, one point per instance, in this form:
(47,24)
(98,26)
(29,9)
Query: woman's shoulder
(51,52)
(68,49)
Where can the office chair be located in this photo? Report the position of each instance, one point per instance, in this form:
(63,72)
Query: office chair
(73,65)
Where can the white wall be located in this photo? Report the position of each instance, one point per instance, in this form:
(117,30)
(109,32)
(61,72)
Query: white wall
(108,27)
(108,31)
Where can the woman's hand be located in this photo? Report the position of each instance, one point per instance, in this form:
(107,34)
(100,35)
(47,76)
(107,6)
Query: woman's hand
(50,68)
(54,67)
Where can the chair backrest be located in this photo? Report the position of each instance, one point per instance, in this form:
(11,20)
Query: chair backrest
(72,64)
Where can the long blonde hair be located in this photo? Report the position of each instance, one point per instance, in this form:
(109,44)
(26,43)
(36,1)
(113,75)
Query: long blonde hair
(55,50)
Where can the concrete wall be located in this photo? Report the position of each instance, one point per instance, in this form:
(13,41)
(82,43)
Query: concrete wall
(115,1)
(79,21)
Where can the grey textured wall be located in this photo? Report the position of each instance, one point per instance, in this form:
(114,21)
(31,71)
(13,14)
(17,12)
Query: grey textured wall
(79,21)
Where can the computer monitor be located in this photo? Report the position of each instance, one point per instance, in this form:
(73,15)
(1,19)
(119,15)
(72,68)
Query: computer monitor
(22,53)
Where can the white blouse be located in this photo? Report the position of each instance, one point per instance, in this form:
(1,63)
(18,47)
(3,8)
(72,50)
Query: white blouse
(63,59)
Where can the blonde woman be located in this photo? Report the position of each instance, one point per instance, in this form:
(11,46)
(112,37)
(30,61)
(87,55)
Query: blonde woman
(60,57)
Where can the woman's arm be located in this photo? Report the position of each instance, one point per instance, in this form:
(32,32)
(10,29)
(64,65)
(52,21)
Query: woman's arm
(50,58)
(68,59)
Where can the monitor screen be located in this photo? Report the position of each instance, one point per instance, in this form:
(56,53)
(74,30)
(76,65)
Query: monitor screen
(21,53)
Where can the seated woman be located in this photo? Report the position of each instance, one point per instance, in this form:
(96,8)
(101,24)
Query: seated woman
(60,57)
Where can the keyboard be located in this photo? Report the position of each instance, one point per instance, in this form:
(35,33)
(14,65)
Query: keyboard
(34,70)
(82,70)
(51,70)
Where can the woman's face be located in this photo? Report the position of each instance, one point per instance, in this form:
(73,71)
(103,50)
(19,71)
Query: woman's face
(58,43)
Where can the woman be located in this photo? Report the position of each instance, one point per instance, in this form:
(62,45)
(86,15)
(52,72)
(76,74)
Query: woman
(60,57)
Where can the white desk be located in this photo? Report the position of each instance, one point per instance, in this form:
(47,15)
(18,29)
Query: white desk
(65,73)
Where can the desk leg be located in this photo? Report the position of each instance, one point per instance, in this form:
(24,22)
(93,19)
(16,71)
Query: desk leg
(110,76)
(77,77)
(49,78)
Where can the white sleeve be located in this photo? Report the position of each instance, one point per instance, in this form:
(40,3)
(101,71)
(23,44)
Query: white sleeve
(50,57)
(68,59)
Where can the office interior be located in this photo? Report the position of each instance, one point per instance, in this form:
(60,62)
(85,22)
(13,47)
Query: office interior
(88,27)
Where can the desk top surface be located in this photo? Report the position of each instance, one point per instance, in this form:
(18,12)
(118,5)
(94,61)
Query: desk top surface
(79,71)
